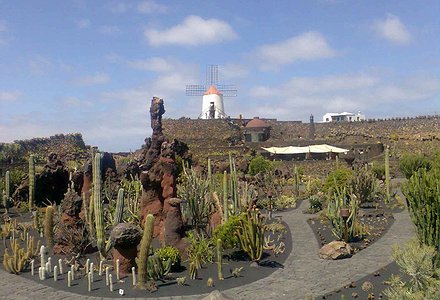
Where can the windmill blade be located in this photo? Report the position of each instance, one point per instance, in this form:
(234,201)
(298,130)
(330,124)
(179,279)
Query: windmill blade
(195,90)
(228,90)
(211,75)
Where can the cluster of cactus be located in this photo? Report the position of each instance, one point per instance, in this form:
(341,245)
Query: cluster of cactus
(48,226)
(16,262)
(142,259)
(31,182)
(157,268)
(422,192)
(387,175)
(336,203)
(250,233)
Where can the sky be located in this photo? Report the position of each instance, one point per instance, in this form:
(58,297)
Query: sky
(92,66)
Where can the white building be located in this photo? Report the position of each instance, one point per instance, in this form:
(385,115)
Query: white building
(212,104)
(343,117)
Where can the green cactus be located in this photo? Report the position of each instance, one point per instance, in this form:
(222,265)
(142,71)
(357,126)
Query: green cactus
(16,262)
(387,174)
(296,178)
(225,197)
(99,213)
(219,259)
(31,182)
(142,259)
(48,226)
(7,193)
(422,192)
(250,233)
(157,268)
(233,184)
(118,216)
(210,178)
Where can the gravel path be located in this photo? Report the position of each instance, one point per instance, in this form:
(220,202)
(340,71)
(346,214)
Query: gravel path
(303,274)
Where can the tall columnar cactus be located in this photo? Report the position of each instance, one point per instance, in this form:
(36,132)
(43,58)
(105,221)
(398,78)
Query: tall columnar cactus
(210,178)
(296,181)
(119,207)
(250,233)
(225,197)
(48,226)
(233,184)
(387,173)
(7,191)
(219,259)
(99,213)
(142,259)
(31,182)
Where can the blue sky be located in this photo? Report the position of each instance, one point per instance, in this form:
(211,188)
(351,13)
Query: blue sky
(93,66)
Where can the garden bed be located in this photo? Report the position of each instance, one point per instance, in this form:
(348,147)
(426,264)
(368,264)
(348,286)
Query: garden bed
(168,286)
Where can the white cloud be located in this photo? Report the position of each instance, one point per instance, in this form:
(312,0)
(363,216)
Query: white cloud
(109,29)
(7,96)
(308,46)
(98,78)
(83,23)
(377,97)
(149,7)
(193,31)
(393,30)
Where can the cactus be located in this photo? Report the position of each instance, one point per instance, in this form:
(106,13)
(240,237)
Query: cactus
(7,191)
(69,279)
(48,226)
(296,181)
(133,275)
(119,207)
(99,213)
(43,256)
(31,182)
(250,233)
(158,268)
(387,173)
(210,178)
(225,197)
(219,259)
(55,273)
(16,262)
(234,185)
(142,258)
(422,192)
(210,282)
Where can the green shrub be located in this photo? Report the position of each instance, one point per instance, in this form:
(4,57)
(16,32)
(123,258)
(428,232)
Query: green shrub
(378,171)
(285,201)
(416,261)
(422,191)
(410,163)
(313,186)
(259,165)
(337,180)
(364,186)
(200,249)
(315,203)
(169,252)
(226,232)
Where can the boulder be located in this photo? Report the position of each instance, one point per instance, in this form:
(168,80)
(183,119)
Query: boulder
(335,250)
(125,238)
(216,295)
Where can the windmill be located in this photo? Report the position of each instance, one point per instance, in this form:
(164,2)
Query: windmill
(213,93)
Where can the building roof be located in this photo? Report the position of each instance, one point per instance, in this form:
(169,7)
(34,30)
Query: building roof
(256,122)
(324,148)
(213,91)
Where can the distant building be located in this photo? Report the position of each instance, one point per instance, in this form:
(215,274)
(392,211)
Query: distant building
(256,131)
(343,117)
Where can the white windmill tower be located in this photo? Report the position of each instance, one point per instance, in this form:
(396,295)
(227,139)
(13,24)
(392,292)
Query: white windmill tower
(213,93)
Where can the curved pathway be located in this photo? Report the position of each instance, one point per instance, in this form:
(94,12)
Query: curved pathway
(303,274)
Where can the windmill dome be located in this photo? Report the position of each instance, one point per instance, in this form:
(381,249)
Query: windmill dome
(256,122)
(213,91)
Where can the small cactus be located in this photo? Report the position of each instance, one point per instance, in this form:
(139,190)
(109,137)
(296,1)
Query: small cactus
(210,282)
(142,258)
(48,226)
(219,259)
